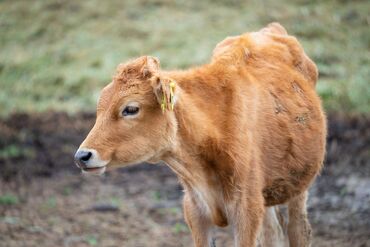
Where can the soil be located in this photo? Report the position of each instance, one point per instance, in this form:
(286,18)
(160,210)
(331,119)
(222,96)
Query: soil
(45,201)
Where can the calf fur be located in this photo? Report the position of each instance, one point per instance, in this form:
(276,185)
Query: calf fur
(244,132)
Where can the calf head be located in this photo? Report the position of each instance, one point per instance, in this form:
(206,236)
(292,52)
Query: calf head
(134,119)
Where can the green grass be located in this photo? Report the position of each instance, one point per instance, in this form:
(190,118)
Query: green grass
(14,151)
(180,228)
(92,240)
(8,199)
(56,55)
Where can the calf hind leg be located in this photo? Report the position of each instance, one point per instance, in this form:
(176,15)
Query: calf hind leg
(299,228)
(272,233)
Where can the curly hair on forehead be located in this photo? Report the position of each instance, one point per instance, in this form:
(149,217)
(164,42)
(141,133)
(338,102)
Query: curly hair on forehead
(130,70)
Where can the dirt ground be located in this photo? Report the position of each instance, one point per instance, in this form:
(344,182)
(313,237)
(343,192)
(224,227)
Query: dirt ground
(45,201)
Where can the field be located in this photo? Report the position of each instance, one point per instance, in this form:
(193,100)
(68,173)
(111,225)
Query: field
(55,57)
(58,54)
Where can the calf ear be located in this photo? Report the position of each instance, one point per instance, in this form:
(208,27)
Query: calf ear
(151,66)
(224,45)
(165,90)
(274,27)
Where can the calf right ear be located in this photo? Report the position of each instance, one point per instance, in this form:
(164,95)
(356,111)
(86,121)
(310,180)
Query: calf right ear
(164,87)
(165,90)
(151,66)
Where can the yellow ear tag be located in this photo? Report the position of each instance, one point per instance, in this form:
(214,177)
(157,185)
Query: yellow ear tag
(163,103)
(168,103)
(172,94)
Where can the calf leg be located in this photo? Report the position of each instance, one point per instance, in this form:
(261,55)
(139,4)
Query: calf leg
(272,234)
(199,225)
(248,223)
(299,229)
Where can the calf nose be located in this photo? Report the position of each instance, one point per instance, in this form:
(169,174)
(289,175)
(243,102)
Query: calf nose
(82,158)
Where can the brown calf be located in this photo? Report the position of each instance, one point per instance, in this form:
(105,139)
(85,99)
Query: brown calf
(243,132)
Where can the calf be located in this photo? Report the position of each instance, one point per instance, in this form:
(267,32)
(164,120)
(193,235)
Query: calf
(243,132)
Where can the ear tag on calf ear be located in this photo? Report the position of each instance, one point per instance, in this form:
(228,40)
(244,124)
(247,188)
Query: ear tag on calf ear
(163,103)
(168,96)
(172,94)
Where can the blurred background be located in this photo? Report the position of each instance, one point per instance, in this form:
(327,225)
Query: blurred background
(55,56)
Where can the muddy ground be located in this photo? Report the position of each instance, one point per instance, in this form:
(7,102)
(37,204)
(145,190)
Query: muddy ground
(45,201)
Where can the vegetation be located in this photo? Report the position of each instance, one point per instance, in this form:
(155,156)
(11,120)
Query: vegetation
(56,55)
(8,199)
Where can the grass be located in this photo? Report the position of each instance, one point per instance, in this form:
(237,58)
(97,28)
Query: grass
(9,199)
(180,228)
(92,240)
(56,55)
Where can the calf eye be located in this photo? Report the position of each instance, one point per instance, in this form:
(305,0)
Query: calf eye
(130,111)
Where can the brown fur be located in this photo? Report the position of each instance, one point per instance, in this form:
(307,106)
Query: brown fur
(247,130)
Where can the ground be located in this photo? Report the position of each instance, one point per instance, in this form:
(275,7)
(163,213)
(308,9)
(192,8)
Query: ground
(45,201)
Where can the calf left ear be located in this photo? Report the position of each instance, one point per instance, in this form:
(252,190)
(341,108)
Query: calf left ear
(165,90)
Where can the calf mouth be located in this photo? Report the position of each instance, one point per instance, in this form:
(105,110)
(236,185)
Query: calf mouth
(94,170)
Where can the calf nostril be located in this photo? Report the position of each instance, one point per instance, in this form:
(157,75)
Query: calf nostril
(86,157)
(82,157)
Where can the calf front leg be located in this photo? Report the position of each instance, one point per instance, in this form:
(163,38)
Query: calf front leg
(248,222)
(299,228)
(199,224)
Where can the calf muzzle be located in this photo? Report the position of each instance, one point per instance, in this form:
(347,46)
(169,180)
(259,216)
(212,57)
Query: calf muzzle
(82,158)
